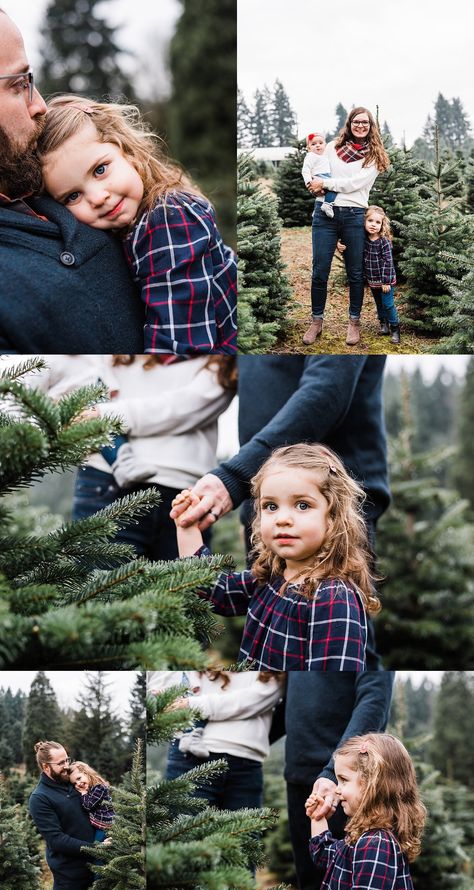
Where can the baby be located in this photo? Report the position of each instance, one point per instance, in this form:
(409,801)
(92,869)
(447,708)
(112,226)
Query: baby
(316,165)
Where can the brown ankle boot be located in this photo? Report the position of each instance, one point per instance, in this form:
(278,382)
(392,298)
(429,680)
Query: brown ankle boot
(353,332)
(313,331)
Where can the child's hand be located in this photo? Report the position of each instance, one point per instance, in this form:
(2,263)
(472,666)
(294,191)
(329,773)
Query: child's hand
(180,504)
(386,288)
(189,537)
(313,803)
(340,246)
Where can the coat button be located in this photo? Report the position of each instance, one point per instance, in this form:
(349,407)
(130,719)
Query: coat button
(68,259)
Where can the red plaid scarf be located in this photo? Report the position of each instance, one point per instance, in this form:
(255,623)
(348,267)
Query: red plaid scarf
(352,151)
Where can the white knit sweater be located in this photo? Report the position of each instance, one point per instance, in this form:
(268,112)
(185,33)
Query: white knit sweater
(239,716)
(352,181)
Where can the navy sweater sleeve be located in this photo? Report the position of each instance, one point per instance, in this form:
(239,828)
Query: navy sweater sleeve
(373,693)
(318,405)
(47,822)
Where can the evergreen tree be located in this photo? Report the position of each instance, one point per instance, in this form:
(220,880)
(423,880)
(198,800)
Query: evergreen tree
(137,724)
(244,120)
(266,291)
(428,557)
(121,864)
(434,228)
(58,604)
(283,117)
(457,323)
(295,202)
(203,106)
(462,474)
(397,192)
(262,130)
(12,709)
(451,747)
(19,864)
(80,53)
(470,182)
(341,117)
(42,719)
(95,734)
(189,844)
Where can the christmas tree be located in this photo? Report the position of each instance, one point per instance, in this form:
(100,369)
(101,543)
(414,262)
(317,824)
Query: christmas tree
(266,292)
(462,471)
(19,858)
(427,556)
(283,117)
(121,863)
(61,603)
(458,322)
(80,53)
(191,846)
(435,229)
(295,202)
(42,719)
(95,734)
(397,192)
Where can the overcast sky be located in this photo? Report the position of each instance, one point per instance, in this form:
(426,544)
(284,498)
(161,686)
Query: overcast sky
(67,684)
(398,54)
(146,28)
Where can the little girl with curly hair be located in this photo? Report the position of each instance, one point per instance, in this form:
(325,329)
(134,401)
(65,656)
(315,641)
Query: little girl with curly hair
(100,161)
(310,586)
(377,790)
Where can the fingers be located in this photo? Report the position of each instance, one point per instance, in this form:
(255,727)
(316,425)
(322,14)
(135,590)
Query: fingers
(182,506)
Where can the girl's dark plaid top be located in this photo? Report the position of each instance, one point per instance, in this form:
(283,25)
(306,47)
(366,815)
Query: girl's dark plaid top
(375,862)
(188,278)
(98,804)
(378,262)
(289,631)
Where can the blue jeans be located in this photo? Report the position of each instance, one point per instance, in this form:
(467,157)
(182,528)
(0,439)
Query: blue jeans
(329,196)
(241,785)
(153,535)
(348,225)
(385,303)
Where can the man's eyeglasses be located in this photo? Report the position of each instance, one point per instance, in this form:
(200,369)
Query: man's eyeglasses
(361,123)
(59,762)
(27,79)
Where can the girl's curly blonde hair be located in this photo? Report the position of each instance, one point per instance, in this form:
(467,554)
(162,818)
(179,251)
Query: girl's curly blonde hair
(90,773)
(345,551)
(385,231)
(376,151)
(390,797)
(123,126)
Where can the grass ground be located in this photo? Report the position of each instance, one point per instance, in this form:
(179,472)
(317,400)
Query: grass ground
(296,253)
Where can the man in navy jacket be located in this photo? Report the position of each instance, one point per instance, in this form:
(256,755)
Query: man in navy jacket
(64,287)
(57,811)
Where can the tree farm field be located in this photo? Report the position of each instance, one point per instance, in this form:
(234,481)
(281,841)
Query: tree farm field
(296,254)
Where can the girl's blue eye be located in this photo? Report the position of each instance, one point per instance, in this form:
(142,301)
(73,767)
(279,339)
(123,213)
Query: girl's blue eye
(72,198)
(303,505)
(269,507)
(100,170)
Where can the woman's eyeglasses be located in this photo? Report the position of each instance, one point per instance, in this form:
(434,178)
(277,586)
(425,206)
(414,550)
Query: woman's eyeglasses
(361,123)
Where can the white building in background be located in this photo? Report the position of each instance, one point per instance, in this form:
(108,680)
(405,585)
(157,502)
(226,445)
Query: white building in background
(272,154)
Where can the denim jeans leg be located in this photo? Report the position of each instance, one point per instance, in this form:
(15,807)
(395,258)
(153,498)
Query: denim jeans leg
(352,234)
(324,237)
(377,295)
(388,301)
(243,784)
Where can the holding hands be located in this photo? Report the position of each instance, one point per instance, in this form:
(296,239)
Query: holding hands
(321,804)
(186,519)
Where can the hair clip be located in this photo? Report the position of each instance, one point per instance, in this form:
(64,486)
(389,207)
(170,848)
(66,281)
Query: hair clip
(332,470)
(87,109)
(363,749)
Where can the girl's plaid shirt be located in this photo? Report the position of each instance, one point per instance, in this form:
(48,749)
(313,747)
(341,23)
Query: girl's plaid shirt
(375,862)
(187,276)
(289,631)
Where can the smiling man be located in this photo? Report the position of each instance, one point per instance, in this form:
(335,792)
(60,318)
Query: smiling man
(65,287)
(57,811)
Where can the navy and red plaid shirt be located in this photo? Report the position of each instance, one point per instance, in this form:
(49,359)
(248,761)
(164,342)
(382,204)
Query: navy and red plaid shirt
(290,632)
(188,278)
(375,862)
(98,804)
(378,262)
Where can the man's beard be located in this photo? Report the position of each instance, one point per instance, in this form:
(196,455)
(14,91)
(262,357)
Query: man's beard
(20,169)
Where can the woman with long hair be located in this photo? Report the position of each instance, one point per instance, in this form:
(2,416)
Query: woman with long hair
(356,158)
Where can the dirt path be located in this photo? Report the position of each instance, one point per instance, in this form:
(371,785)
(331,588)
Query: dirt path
(296,253)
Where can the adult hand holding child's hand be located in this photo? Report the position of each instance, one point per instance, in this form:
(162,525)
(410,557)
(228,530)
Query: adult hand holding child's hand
(322,801)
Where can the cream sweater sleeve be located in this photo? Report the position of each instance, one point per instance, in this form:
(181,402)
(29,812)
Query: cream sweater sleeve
(239,704)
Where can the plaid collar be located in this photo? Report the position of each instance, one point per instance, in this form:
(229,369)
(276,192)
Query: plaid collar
(19,204)
(352,151)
